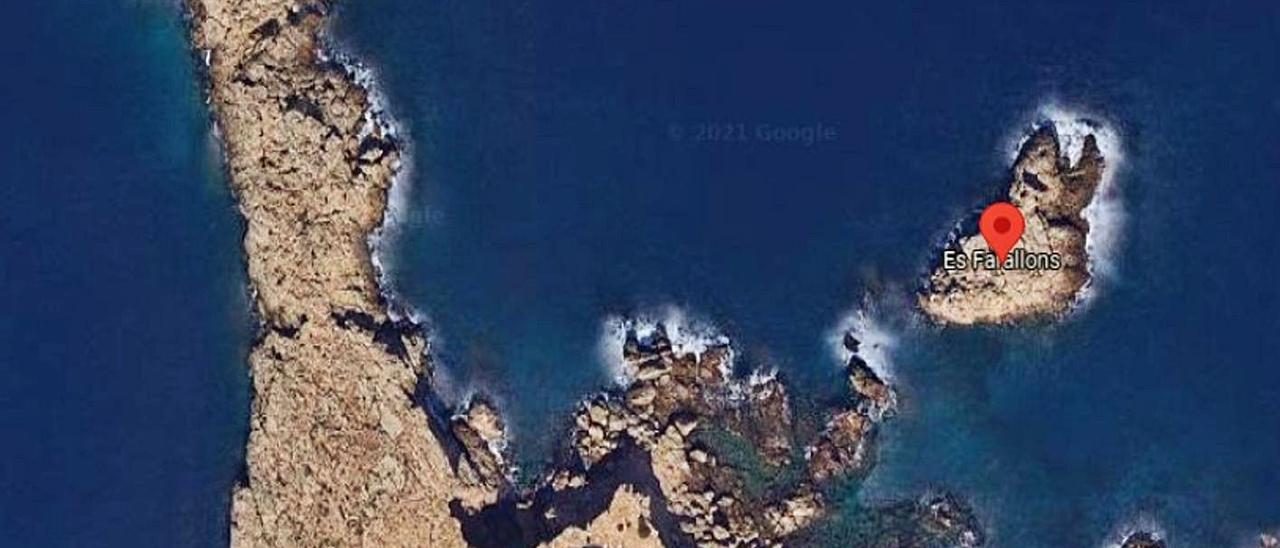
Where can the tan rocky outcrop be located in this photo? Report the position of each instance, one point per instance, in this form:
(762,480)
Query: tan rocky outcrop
(1051,193)
(625,524)
(338,454)
(672,396)
(483,470)
(875,397)
(944,516)
(841,448)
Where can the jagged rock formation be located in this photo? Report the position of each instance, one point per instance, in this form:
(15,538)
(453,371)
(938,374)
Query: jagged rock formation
(877,397)
(671,395)
(1051,193)
(339,454)
(483,468)
(625,524)
(675,399)
(842,447)
(1142,539)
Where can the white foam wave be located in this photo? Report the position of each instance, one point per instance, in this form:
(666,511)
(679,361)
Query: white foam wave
(761,377)
(1142,523)
(739,391)
(383,237)
(379,121)
(876,340)
(498,447)
(687,333)
(611,347)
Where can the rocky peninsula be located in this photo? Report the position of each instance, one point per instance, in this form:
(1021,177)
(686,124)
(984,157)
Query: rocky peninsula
(348,445)
(339,452)
(1051,190)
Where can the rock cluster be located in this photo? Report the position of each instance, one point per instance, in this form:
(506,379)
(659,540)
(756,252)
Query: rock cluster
(672,396)
(339,454)
(794,513)
(764,418)
(1142,539)
(842,447)
(877,398)
(946,517)
(483,467)
(1051,192)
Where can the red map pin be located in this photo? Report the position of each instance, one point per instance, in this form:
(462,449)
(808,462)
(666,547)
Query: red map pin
(1001,225)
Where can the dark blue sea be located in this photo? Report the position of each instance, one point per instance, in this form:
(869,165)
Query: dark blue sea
(123,313)
(575,161)
(768,170)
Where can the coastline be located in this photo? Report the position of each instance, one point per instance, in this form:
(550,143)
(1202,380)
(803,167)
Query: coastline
(1085,296)
(335,373)
(1105,213)
(389,319)
(332,333)
(378,119)
(670,421)
(1057,175)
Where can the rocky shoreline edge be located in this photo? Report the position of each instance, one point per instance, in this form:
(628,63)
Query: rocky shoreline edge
(340,449)
(348,442)
(699,443)
(349,445)
(1055,181)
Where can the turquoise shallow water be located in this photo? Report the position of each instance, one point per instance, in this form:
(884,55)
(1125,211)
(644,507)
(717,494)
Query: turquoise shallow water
(559,178)
(124,323)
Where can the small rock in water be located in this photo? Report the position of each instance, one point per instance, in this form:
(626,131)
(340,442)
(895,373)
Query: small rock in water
(1143,539)
(851,343)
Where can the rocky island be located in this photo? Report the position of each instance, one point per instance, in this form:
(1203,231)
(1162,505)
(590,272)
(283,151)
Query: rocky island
(1052,191)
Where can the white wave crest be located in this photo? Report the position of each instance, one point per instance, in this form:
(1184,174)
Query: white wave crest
(1144,523)
(379,121)
(761,377)
(688,334)
(876,340)
(611,346)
